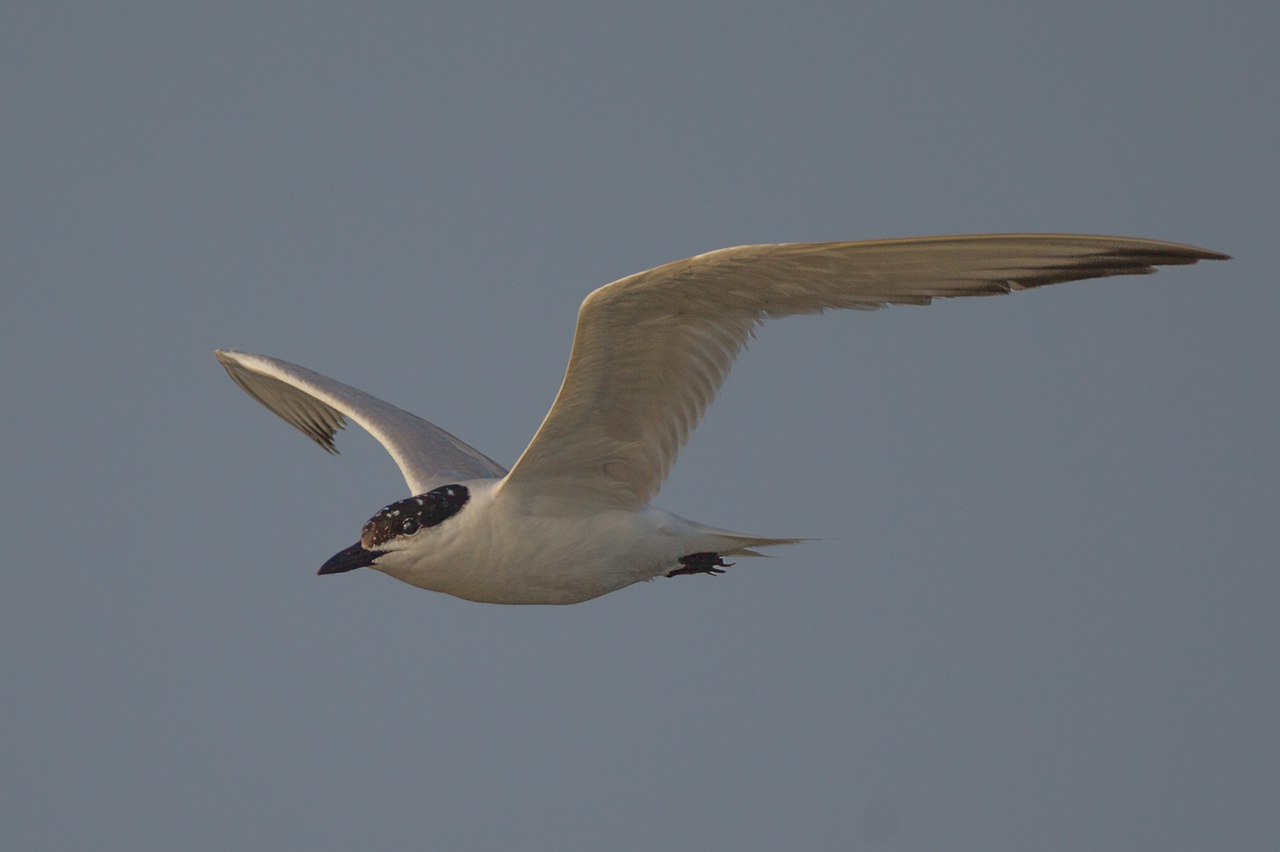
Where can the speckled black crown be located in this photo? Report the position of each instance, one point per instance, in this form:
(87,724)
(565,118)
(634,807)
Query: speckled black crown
(408,516)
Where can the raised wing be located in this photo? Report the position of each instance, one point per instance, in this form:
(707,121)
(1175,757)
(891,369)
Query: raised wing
(651,350)
(318,406)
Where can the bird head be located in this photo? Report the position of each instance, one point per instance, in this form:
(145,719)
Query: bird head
(395,527)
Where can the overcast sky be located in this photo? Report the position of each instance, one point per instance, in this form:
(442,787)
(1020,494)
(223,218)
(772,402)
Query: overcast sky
(1043,607)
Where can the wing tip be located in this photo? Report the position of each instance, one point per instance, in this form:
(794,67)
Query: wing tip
(1170,254)
(1191,254)
(318,431)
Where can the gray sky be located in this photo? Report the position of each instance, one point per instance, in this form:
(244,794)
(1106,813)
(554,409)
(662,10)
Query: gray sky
(1044,609)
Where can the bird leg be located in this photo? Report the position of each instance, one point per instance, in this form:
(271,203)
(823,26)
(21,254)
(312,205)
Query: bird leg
(701,563)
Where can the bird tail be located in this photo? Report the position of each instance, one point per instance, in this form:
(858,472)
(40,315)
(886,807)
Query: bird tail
(739,544)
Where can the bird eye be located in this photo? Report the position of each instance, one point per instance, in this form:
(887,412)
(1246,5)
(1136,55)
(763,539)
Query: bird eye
(410,526)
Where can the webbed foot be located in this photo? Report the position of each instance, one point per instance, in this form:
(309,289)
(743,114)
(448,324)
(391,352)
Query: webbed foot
(701,563)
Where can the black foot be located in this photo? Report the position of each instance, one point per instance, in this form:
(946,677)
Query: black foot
(701,563)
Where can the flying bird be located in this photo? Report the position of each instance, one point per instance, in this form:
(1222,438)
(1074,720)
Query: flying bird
(572,519)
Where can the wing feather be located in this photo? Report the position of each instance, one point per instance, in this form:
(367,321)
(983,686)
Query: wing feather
(651,350)
(317,406)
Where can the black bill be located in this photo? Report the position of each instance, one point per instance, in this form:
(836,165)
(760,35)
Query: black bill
(350,559)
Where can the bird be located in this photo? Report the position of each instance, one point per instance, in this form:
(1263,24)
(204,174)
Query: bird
(573,519)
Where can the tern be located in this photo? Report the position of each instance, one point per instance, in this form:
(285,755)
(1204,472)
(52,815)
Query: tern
(572,519)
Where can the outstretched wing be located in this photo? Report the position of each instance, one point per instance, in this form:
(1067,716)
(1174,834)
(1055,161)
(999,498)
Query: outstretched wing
(318,406)
(651,350)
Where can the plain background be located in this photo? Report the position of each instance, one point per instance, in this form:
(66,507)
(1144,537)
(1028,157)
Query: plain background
(1043,611)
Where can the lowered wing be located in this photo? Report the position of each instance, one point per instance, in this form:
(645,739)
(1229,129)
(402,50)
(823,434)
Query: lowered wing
(318,406)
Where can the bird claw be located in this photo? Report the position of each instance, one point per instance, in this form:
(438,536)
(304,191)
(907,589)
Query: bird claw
(701,563)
